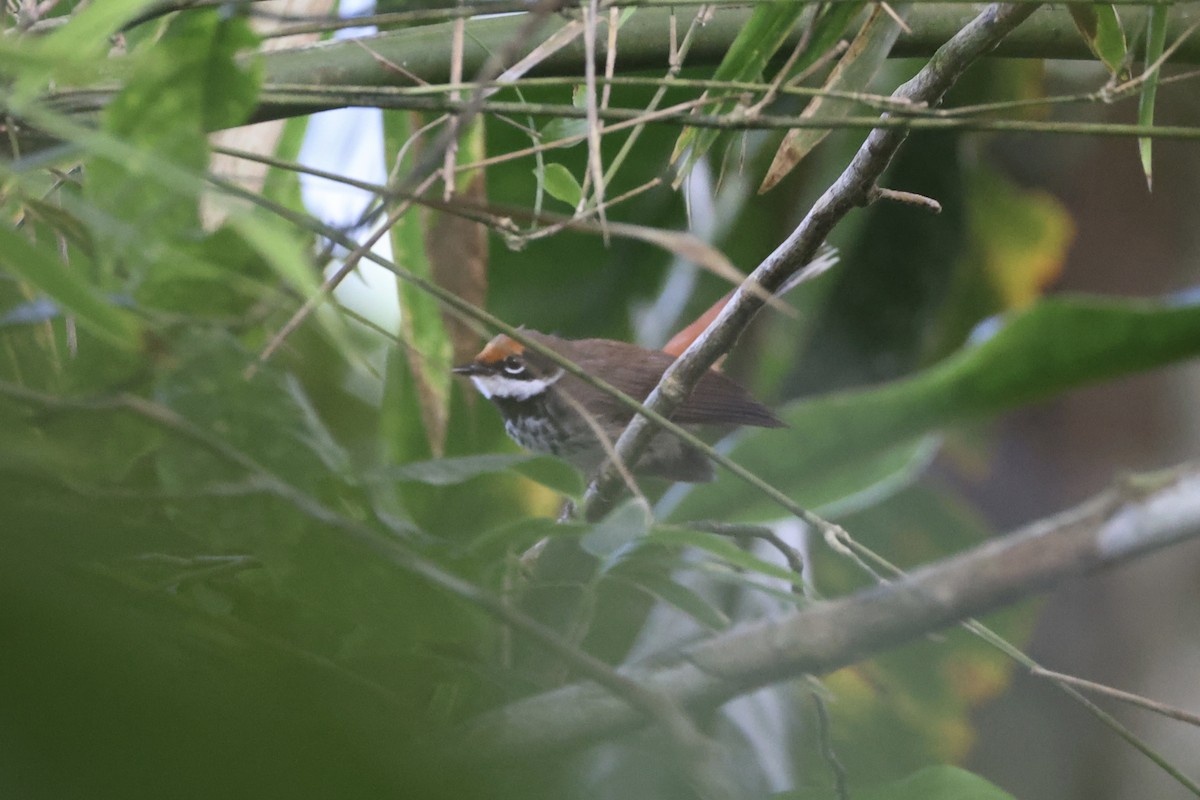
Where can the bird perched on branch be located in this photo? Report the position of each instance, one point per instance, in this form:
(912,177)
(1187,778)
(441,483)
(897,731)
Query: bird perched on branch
(548,410)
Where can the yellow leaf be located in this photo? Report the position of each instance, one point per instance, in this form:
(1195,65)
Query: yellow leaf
(1023,236)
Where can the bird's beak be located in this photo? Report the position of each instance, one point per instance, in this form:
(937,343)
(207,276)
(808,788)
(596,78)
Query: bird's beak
(473,368)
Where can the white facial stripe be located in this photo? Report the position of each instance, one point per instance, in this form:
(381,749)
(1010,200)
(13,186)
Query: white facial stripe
(510,388)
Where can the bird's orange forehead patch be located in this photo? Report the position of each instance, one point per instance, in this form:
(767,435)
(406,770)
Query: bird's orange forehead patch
(499,349)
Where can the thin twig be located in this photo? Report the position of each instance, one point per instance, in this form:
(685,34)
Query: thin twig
(891,12)
(392,66)
(907,198)
(841,785)
(794,561)
(595,166)
(902,116)
(610,55)
(1117,694)
(450,159)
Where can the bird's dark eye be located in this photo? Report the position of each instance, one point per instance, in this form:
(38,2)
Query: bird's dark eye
(513,365)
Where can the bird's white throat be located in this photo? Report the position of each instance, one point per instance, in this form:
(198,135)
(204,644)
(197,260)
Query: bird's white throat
(511,388)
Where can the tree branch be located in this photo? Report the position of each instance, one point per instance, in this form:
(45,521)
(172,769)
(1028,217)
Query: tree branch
(853,188)
(1050,34)
(422,50)
(335,73)
(1120,524)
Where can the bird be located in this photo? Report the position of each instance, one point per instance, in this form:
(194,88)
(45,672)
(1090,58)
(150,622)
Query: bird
(546,409)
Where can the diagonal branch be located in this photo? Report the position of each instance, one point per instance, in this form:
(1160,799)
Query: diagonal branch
(855,187)
(1118,525)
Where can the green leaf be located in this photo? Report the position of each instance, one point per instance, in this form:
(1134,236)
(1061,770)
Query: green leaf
(181,88)
(259,417)
(610,538)
(667,590)
(831,25)
(449,471)
(220,276)
(81,451)
(90,28)
(283,185)
(72,52)
(277,246)
(569,127)
(319,438)
(746,59)
(561,184)
(66,284)
(228,91)
(523,533)
(1156,40)
(853,73)
(190,80)
(756,43)
(942,782)
(553,473)
(280,249)
(1019,236)
(62,222)
(1057,344)
(1100,27)
(724,548)
(872,480)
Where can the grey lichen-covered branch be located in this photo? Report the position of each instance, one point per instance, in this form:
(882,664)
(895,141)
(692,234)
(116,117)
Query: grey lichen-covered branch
(1129,520)
(857,186)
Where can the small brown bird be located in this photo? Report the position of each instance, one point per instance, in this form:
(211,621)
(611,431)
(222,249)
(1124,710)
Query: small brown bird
(535,396)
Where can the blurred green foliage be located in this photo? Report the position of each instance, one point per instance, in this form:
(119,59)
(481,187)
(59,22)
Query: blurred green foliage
(223,577)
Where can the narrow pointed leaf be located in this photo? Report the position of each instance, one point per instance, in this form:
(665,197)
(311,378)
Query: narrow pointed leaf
(746,60)
(1156,40)
(682,598)
(853,73)
(449,471)
(1101,28)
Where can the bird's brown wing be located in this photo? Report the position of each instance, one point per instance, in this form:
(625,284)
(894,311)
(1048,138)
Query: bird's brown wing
(718,399)
(635,371)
